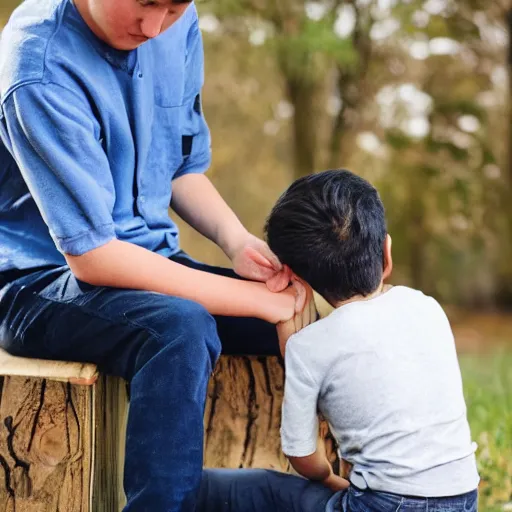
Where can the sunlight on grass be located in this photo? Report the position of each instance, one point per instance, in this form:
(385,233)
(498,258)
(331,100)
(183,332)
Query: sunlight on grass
(488,390)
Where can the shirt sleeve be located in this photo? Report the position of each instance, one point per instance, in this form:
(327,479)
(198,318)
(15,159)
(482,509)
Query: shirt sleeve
(54,137)
(196,134)
(299,420)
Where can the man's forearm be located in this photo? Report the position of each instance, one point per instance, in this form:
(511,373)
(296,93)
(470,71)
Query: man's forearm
(200,205)
(124,265)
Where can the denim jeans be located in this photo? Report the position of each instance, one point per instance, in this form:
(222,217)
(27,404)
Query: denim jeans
(240,490)
(356,500)
(259,490)
(164,346)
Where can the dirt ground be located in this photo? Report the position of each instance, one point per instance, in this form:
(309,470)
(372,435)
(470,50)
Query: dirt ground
(481,331)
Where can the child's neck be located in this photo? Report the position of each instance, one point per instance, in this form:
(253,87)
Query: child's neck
(382,288)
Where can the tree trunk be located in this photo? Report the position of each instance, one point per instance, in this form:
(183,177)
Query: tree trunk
(417,236)
(509,69)
(505,292)
(243,416)
(301,95)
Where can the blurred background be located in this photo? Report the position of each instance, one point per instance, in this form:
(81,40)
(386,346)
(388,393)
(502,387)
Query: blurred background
(413,95)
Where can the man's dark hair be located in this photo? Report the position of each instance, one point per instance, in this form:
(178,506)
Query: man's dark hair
(329,228)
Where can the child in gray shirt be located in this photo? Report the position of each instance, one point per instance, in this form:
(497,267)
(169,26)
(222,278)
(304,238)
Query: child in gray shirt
(381,368)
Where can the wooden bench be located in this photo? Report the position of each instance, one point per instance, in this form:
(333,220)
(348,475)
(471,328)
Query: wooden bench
(62,430)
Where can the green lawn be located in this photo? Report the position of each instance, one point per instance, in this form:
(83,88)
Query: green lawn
(488,389)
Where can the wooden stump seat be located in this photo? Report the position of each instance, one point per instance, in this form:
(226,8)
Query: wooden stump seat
(61,437)
(62,430)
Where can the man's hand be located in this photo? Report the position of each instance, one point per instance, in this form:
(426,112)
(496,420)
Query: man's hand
(253,259)
(199,204)
(305,313)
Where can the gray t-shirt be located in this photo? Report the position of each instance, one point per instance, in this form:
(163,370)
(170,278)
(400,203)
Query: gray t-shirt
(385,375)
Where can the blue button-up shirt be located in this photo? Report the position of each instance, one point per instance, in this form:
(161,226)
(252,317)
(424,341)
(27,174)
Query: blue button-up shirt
(93,136)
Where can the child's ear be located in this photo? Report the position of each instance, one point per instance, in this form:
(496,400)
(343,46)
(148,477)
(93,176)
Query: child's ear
(388,260)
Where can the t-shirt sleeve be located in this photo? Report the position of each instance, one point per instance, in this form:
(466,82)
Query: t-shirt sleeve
(299,420)
(54,137)
(196,134)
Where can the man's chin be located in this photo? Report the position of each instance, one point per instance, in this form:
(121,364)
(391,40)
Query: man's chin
(127,44)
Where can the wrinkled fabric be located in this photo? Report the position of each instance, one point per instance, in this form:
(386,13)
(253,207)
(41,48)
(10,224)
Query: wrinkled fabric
(92,137)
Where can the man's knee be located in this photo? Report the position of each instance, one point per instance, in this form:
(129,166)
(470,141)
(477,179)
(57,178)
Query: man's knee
(185,329)
(198,331)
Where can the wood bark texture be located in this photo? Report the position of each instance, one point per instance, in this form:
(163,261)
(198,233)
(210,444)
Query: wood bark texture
(243,415)
(62,445)
(45,455)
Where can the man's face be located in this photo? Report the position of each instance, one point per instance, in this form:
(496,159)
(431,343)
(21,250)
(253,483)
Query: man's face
(126,24)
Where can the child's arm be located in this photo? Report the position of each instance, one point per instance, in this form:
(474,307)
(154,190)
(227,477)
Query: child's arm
(303,318)
(299,425)
(317,467)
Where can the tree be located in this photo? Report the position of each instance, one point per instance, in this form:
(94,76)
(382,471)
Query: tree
(308,52)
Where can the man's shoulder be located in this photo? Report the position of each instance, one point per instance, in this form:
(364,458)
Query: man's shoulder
(28,42)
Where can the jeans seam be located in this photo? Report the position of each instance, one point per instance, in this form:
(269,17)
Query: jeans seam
(402,499)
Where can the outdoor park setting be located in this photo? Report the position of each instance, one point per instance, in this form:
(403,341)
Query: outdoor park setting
(416,97)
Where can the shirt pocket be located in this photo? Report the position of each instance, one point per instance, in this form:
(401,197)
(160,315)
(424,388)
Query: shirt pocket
(171,92)
(169,82)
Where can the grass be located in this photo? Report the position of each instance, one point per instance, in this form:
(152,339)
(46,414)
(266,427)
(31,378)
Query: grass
(488,390)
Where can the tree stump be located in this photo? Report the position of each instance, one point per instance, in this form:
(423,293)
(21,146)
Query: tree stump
(62,442)
(243,416)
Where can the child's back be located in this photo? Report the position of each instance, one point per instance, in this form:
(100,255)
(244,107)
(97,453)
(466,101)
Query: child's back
(382,367)
(386,377)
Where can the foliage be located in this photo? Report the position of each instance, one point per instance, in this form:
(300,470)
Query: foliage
(443,187)
(488,389)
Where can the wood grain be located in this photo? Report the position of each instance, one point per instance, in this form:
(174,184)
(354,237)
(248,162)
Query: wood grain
(62,445)
(44,450)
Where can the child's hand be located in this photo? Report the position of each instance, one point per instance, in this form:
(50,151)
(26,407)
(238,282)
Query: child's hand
(336,483)
(345,468)
(305,313)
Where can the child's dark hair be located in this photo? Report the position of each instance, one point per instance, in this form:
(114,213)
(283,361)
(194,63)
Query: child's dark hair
(329,228)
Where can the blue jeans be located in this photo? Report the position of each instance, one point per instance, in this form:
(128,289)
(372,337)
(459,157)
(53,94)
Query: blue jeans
(239,490)
(259,490)
(356,500)
(164,346)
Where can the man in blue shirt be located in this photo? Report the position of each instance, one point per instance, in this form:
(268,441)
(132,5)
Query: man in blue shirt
(101,130)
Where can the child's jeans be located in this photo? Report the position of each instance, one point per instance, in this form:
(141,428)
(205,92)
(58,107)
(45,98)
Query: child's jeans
(258,490)
(356,500)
